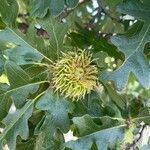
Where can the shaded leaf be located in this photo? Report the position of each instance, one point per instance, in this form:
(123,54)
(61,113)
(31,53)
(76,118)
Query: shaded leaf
(40,8)
(57,32)
(72,3)
(84,38)
(16,49)
(136,8)
(104,139)
(86,124)
(57,109)
(16,124)
(144,116)
(132,45)
(25,145)
(57,6)
(2,24)
(20,87)
(16,76)
(49,137)
(2,62)
(9,11)
(116,97)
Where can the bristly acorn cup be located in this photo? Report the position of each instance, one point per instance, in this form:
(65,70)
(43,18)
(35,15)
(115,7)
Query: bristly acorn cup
(74,74)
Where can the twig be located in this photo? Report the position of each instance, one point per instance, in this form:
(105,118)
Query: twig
(101,10)
(67,12)
(100,7)
(136,141)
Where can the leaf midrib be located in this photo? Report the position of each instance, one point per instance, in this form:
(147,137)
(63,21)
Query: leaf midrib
(22,113)
(92,134)
(138,118)
(139,45)
(23,79)
(23,86)
(11,125)
(57,45)
(137,49)
(30,45)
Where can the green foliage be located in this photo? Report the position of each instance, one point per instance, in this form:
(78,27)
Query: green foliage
(16,124)
(104,139)
(17,49)
(56,117)
(57,32)
(40,8)
(134,58)
(9,11)
(33,36)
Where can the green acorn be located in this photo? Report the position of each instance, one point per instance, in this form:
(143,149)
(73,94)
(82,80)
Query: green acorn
(74,75)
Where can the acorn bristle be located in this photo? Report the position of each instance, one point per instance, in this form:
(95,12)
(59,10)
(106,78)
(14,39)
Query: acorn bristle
(73,74)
